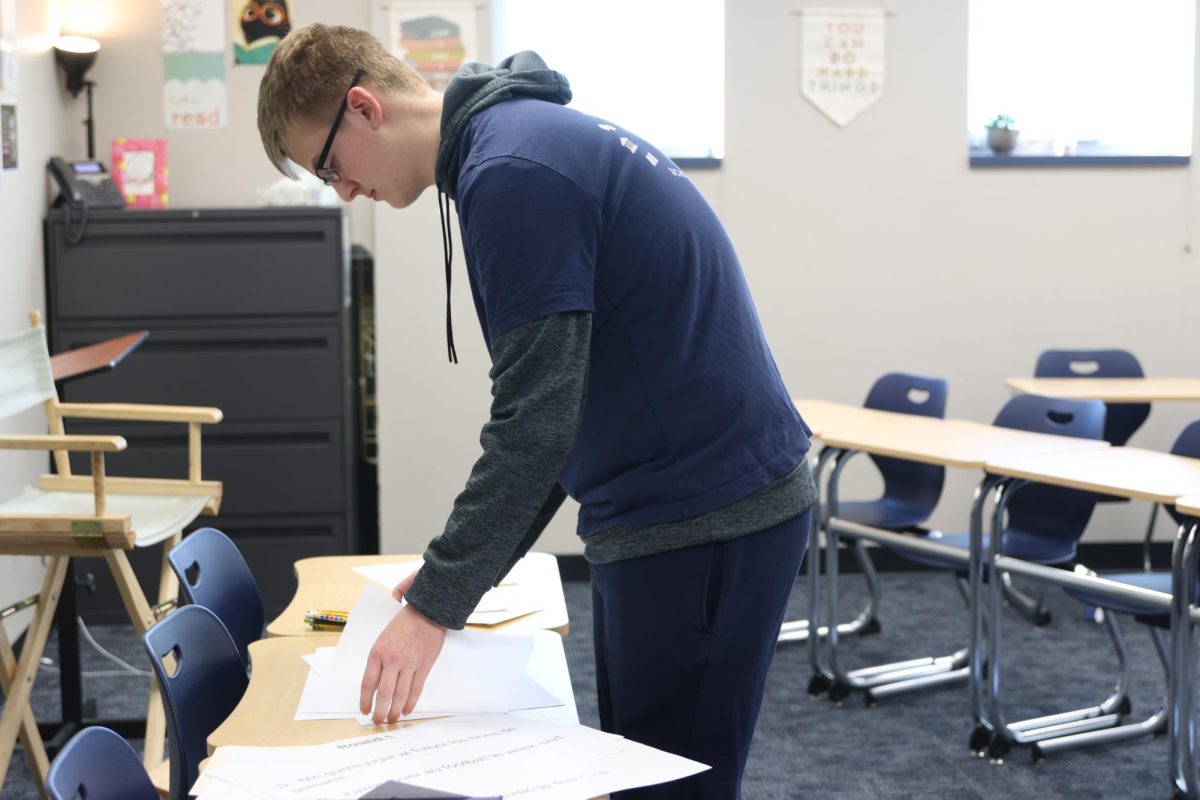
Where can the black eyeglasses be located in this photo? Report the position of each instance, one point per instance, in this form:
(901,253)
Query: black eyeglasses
(329,174)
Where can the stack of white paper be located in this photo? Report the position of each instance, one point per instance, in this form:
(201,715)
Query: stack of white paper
(480,755)
(475,672)
(507,601)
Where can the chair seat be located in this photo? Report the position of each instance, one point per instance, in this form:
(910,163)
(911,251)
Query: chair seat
(1017,544)
(153,517)
(883,513)
(1156,581)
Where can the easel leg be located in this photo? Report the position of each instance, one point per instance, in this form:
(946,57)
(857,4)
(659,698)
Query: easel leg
(143,619)
(17,718)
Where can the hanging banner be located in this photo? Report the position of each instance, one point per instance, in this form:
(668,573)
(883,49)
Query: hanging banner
(842,65)
(194,64)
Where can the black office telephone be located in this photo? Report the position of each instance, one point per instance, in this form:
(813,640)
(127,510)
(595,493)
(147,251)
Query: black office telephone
(83,185)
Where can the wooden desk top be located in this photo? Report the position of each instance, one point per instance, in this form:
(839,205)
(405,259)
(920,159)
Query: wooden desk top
(826,415)
(951,443)
(1111,390)
(331,582)
(1124,471)
(1189,505)
(264,717)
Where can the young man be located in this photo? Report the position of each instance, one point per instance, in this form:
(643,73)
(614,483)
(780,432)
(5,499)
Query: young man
(629,371)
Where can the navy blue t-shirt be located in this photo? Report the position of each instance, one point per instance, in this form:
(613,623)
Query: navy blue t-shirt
(685,409)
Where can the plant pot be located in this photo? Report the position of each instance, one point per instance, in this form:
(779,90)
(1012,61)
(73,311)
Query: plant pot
(1002,141)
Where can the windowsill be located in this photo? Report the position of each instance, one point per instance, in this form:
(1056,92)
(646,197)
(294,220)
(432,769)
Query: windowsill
(1039,154)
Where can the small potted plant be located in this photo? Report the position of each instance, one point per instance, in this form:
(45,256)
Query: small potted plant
(1001,135)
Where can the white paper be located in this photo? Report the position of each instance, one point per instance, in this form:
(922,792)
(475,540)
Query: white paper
(500,604)
(475,672)
(477,754)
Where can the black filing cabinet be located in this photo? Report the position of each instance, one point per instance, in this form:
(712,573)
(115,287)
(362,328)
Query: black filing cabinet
(248,310)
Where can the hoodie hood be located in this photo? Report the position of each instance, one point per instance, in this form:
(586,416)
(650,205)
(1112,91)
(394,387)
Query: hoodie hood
(473,88)
(477,86)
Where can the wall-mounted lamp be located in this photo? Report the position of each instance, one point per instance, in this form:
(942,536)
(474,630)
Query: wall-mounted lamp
(76,54)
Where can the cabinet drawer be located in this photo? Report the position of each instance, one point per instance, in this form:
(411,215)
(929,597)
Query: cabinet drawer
(279,468)
(142,264)
(249,373)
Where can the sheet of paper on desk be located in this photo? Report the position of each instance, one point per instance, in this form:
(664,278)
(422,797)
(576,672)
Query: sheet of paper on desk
(478,755)
(475,672)
(507,601)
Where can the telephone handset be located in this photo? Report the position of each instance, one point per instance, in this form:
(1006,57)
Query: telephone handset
(85,183)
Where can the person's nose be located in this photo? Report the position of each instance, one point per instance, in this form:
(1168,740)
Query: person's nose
(345,189)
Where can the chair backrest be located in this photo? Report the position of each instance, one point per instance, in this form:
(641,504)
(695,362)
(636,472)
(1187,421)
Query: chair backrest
(97,764)
(915,484)
(200,686)
(1121,419)
(25,376)
(1187,443)
(1048,511)
(213,574)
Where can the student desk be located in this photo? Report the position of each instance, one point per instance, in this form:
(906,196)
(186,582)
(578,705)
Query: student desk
(264,716)
(330,582)
(1128,472)
(948,443)
(1111,390)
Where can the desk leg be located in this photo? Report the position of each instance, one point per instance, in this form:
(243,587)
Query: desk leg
(981,731)
(143,619)
(20,688)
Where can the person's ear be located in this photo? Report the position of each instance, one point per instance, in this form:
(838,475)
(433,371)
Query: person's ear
(362,102)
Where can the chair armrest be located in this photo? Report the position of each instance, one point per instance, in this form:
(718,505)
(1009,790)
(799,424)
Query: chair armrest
(141,412)
(95,444)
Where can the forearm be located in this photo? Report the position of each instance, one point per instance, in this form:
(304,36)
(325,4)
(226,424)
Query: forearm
(539,380)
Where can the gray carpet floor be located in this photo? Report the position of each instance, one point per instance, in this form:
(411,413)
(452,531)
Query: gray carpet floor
(907,747)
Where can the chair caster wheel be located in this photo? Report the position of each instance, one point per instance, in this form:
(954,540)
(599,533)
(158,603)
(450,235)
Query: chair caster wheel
(1042,618)
(818,685)
(869,700)
(998,749)
(871,627)
(1125,706)
(980,737)
(1036,753)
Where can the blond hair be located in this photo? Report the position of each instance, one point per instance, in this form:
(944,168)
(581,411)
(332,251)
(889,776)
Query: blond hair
(308,76)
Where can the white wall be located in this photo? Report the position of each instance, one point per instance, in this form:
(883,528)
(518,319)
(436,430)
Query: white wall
(868,249)
(41,108)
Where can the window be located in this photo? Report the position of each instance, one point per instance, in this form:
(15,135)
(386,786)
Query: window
(656,68)
(1107,80)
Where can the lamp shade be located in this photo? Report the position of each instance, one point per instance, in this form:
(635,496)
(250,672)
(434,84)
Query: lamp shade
(75,54)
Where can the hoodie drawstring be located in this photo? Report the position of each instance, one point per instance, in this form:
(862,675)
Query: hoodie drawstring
(448,250)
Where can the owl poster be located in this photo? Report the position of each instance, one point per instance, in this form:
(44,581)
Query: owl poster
(258,25)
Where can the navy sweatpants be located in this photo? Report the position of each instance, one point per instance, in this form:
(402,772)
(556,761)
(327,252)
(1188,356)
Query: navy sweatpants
(684,640)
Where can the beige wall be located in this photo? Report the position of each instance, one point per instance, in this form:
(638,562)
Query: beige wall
(41,108)
(869,248)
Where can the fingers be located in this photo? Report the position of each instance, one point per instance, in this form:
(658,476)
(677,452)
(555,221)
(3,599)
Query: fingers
(383,695)
(414,694)
(403,689)
(370,682)
(403,586)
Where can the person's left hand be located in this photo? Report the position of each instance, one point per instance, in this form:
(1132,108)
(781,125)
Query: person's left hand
(398,664)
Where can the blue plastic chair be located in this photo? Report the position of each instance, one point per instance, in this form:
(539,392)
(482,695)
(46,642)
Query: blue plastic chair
(213,574)
(97,764)
(910,489)
(1121,419)
(1044,522)
(206,683)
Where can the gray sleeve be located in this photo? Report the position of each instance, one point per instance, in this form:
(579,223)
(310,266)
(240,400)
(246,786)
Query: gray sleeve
(539,379)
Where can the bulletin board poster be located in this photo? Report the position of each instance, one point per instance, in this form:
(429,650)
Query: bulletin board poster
(434,38)
(258,28)
(8,134)
(842,64)
(140,170)
(194,64)
(8,45)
